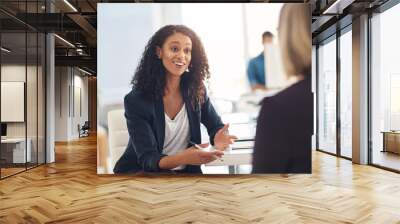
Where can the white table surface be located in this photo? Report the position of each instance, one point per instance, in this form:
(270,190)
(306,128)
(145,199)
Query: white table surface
(233,158)
(19,150)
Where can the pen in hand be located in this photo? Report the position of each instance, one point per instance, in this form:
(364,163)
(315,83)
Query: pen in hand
(196,145)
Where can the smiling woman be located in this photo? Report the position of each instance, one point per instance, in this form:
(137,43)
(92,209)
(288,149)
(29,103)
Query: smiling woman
(166,105)
(176,53)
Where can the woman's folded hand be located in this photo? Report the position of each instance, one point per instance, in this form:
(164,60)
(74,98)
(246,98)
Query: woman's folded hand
(194,156)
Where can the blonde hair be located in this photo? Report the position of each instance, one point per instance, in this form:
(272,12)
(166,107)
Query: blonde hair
(295,38)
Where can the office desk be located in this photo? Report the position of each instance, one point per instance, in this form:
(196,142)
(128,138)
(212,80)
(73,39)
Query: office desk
(13,150)
(233,158)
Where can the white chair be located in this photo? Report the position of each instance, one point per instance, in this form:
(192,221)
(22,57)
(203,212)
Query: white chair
(118,136)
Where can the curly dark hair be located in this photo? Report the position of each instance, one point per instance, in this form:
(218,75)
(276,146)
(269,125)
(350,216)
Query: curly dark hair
(150,75)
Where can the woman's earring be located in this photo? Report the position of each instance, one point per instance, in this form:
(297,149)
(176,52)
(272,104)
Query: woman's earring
(187,70)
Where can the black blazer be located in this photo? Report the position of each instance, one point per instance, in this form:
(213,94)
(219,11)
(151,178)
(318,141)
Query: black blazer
(146,126)
(284,130)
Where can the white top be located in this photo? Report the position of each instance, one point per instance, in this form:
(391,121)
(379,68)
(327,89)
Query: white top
(177,134)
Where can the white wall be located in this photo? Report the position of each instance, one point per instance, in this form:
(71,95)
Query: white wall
(120,47)
(80,103)
(124,30)
(113,47)
(61,103)
(67,115)
(12,73)
(261,18)
(85,99)
(33,126)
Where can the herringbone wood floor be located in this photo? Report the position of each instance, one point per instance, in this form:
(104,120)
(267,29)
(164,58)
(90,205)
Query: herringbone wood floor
(69,191)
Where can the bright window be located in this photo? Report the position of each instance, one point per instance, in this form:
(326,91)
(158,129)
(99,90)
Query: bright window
(327,96)
(346,94)
(385,83)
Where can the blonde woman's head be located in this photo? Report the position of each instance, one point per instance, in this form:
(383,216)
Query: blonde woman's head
(295,38)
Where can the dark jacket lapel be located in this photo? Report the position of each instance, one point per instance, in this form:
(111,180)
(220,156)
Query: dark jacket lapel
(160,123)
(193,117)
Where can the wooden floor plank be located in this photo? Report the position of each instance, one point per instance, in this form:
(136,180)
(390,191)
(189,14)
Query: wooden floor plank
(70,191)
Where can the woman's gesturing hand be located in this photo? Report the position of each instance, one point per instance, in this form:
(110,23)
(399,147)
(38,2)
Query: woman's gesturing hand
(222,139)
(194,156)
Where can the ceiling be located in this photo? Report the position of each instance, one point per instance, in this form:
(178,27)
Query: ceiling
(73,20)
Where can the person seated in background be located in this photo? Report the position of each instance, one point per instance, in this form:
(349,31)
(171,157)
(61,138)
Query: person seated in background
(285,122)
(167,103)
(256,68)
